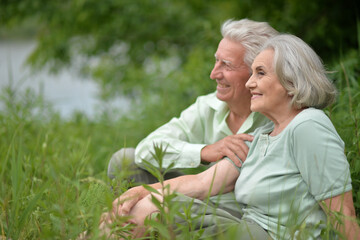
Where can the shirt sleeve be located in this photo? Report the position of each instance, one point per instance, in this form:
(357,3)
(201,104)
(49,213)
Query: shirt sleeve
(319,155)
(182,137)
(228,159)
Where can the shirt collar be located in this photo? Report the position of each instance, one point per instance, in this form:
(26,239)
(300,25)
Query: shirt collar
(253,121)
(216,104)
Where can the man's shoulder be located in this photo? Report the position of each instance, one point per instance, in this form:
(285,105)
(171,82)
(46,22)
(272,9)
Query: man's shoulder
(208,97)
(211,101)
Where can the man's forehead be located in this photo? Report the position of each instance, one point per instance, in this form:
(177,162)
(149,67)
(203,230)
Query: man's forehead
(229,50)
(230,58)
(224,59)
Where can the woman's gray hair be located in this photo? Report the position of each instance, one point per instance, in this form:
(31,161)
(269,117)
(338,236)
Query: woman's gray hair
(301,72)
(250,34)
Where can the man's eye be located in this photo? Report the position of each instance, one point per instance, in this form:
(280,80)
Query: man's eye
(261,73)
(229,66)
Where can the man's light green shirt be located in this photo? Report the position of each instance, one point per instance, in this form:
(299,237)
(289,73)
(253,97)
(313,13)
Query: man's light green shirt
(201,124)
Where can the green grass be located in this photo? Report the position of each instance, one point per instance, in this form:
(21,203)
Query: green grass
(53,171)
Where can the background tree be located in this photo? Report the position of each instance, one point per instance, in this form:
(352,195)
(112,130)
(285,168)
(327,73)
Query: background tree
(160,52)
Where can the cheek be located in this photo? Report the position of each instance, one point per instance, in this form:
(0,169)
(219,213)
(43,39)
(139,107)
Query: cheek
(242,76)
(282,92)
(280,96)
(240,88)
(241,82)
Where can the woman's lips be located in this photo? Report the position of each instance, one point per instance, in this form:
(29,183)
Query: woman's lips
(255,95)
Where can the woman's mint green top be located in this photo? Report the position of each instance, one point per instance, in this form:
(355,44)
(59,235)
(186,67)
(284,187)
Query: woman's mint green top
(286,176)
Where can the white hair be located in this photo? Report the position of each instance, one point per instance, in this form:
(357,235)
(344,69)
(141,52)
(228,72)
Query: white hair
(250,34)
(301,72)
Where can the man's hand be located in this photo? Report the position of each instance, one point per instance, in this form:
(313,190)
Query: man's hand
(232,147)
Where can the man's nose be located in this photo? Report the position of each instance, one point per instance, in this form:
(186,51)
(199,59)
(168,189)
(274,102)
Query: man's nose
(216,72)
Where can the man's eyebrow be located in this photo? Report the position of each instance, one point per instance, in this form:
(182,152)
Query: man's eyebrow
(223,60)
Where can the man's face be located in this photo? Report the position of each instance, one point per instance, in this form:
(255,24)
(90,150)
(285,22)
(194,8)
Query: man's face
(230,72)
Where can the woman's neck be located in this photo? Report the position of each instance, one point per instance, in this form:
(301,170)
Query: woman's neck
(281,121)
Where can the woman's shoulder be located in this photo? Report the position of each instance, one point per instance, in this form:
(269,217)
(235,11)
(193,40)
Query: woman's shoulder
(311,112)
(267,128)
(308,117)
(313,121)
(313,115)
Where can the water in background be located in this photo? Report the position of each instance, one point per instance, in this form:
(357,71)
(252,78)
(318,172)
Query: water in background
(67,91)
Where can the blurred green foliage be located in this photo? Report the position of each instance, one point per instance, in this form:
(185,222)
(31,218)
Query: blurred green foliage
(345,114)
(158,53)
(51,170)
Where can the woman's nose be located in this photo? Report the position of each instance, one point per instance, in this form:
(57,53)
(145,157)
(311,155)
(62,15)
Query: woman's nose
(250,83)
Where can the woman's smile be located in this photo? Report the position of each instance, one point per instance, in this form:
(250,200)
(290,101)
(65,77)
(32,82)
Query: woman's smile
(255,95)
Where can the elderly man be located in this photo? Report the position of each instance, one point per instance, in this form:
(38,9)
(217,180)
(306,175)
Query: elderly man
(217,124)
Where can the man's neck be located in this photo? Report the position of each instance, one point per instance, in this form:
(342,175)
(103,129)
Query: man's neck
(236,118)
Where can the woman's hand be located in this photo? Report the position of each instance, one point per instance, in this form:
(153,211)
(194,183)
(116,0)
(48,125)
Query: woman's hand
(124,204)
(136,217)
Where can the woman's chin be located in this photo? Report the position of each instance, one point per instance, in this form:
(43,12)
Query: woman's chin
(254,108)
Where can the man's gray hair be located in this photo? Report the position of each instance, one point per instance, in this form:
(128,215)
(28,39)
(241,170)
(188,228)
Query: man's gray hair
(301,72)
(250,34)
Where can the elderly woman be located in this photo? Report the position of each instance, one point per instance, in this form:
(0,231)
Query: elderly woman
(296,173)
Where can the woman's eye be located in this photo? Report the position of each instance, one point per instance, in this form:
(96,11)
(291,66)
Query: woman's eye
(261,73)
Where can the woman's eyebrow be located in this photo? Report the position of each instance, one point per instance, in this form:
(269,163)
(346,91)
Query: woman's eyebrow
(260,67)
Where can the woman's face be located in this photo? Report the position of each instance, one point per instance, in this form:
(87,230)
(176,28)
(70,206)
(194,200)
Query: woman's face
(269,97)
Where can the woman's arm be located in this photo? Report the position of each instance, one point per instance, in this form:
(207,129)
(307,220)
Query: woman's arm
(343,204)
(137,203)
(220,178)
(142,209)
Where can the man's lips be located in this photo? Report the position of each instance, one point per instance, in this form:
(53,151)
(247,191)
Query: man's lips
(222,85)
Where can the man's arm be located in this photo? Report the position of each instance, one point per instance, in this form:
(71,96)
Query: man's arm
(183,138)
(345,206)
